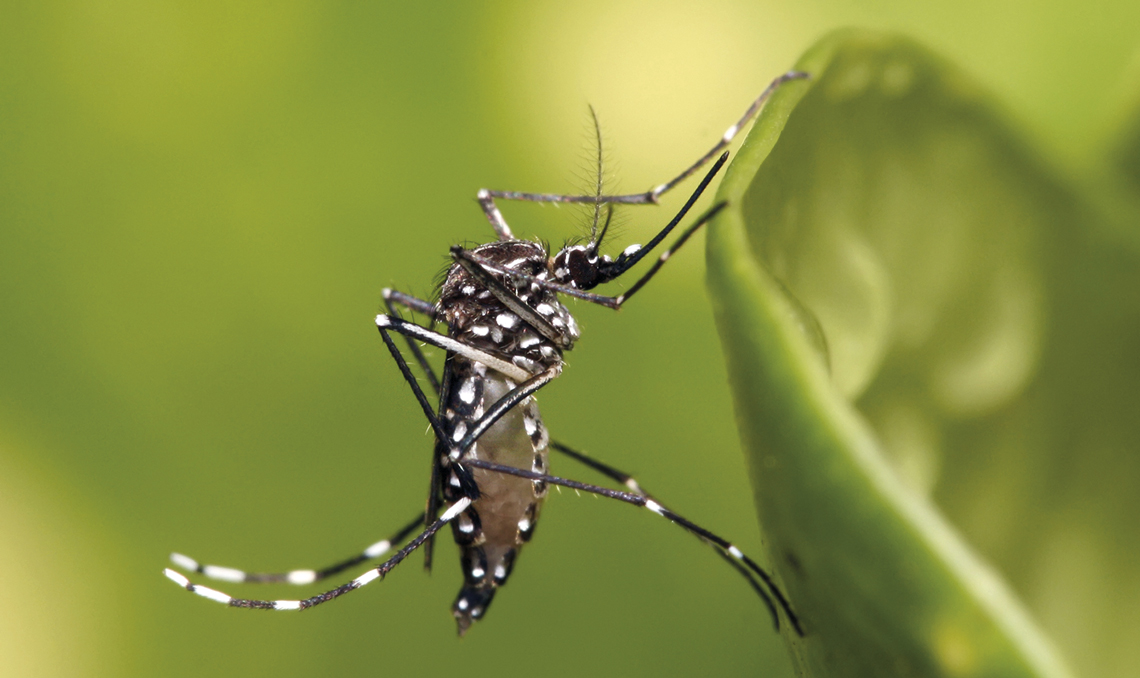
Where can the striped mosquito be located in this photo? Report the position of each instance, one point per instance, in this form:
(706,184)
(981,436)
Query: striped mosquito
(506,334)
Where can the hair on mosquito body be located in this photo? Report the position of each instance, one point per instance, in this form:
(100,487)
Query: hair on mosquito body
(503,331)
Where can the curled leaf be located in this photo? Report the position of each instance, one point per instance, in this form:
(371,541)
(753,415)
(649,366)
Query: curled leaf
(880,271)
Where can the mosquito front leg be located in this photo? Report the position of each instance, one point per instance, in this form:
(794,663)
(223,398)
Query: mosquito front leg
(431,507)
(531,384)
(729,134)
(653,195)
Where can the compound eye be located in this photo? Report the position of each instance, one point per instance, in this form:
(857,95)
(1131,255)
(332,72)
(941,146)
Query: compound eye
(581,269)
(573,266)
(576,266)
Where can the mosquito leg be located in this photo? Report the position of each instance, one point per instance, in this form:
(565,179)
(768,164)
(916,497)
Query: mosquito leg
(421,306)
(646,502)
(491,210)
(299,577)
(729,134)
(530,384)
(653,195)
(629,481)
(455,450)
(387,322)
(392,298)
(504,405)
(375,573)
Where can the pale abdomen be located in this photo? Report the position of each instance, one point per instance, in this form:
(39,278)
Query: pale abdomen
(491,532)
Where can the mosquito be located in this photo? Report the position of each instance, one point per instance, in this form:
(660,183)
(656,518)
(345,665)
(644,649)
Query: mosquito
(506,334)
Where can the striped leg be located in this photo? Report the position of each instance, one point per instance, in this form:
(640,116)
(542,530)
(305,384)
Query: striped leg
(491,211)
(364,579)
(299,577)
(459,476)
(642,500)
(494,413)
(530,383)
(650,197)
(392,298)
(414,331)
(629,481)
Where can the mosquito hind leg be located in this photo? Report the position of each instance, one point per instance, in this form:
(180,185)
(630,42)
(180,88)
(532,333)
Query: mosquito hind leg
(298,577)
(368,577)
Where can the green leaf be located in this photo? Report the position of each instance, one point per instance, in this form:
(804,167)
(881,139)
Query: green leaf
(878,277)
(1126,152)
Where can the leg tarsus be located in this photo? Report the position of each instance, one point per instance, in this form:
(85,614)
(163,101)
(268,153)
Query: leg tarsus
(299,576)
(652,196)
(368,577)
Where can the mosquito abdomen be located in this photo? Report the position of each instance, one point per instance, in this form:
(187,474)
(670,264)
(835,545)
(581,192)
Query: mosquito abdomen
(493,529)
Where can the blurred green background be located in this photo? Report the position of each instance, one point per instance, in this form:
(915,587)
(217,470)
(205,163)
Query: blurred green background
(199,205)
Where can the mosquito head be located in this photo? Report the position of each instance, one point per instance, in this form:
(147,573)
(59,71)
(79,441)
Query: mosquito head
(581,267)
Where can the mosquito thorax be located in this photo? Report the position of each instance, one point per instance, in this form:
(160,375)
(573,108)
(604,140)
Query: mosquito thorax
(476,317)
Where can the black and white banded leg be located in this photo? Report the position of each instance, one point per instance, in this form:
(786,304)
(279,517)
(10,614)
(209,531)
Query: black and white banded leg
(525,390)
(630,482)
(736,561)
(298,577)
(493,414)
(392,298)
(414,331)
(530,384)
(644,501)
(651,197)
(368,577)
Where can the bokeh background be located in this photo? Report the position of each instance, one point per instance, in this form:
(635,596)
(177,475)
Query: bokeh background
(199,205)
